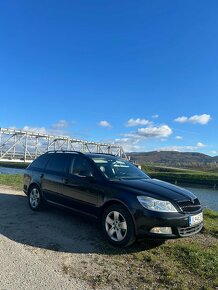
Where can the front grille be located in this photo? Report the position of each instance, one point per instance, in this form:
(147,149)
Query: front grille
(188,206)
(188,231)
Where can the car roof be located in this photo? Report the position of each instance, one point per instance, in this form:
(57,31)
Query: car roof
(90,155)
(99,155)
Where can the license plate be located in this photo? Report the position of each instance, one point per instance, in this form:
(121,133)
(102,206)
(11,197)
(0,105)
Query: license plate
(195,219)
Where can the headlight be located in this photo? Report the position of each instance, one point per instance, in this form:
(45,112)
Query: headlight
(156,204)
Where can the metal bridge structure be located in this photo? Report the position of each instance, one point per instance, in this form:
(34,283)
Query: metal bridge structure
(25,146)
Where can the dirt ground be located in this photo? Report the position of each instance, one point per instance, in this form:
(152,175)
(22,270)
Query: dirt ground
(52,249)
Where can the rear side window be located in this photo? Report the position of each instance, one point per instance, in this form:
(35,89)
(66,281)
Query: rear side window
(58,163)
(40,162)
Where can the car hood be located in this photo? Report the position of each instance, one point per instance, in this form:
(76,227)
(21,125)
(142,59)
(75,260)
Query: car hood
(158,189)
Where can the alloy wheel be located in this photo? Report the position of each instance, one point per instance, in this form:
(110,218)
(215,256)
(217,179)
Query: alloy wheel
(116,226)
(34,198)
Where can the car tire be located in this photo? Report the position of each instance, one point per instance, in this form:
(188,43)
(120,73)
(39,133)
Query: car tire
(35,198)
(118,226)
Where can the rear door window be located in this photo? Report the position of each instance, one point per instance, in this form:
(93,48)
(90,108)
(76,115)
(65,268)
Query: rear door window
(58,163)
(40,162)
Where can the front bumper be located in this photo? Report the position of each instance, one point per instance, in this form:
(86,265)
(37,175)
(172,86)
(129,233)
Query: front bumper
(145,220)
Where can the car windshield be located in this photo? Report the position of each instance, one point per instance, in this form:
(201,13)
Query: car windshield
(116,168)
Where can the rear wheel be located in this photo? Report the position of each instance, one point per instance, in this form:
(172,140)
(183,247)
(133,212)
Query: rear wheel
(35,198)
(118,226)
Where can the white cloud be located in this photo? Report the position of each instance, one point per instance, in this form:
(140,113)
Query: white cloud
(61,124)
(214,152)
(137,122)
(179,138)
(57,129)
(200,119)
(132,141)
(181,119)
(196,119)
(182,148)
(133,135)
(155,132)
(40,130)
(155,116)
(105,124)
(200,145)
(128,144)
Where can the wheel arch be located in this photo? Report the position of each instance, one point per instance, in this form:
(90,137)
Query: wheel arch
(32,185)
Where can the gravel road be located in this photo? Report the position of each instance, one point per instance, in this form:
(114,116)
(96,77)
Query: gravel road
(37,249)
(54,249)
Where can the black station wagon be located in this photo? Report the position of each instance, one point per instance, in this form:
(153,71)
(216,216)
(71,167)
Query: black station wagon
(127,202)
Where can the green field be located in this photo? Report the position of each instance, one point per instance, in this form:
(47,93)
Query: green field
(21,165)
(182,176)
(13,180)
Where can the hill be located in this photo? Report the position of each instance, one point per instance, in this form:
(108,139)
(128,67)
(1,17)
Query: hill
(176,159)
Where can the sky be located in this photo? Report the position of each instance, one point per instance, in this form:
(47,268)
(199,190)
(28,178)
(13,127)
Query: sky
(142,74)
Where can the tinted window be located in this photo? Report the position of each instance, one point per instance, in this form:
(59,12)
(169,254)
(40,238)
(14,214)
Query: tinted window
(115,168)
(58,163)
(80,166)
(40,162)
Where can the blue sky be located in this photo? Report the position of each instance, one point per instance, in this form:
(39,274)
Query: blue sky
(117,71)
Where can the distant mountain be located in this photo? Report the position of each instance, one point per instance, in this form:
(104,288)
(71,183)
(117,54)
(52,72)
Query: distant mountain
(177,159)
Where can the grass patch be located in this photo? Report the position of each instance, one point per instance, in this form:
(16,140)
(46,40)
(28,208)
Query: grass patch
(199,259)
(211,222)
(20,165)
(13,180)
(181,264)
(183,176)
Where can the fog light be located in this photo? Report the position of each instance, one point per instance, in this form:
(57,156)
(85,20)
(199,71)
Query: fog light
(161,230)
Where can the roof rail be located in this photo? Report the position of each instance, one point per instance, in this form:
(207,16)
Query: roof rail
(64,151)
(79,152)
(102,153)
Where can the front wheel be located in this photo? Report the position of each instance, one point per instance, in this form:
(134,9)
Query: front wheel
(118,226)
(35,199)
